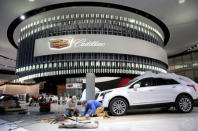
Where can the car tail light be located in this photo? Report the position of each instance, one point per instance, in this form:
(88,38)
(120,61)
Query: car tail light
(192,87)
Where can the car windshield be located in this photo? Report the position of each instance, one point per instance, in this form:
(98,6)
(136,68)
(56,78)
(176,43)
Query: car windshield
(130,82)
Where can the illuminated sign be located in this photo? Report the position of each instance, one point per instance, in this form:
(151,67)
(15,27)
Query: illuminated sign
(84,43)
(94,43)
(60,43)
(68,42)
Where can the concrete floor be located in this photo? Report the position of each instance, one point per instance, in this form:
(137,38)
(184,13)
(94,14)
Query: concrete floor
(135,120)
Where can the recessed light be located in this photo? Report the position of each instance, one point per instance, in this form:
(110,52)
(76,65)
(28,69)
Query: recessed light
(22,17)
(31,0)
(181,1)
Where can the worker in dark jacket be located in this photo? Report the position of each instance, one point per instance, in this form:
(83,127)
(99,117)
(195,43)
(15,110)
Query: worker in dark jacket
(97,109)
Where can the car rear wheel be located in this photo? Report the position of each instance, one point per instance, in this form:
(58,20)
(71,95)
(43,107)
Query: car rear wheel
(118,106)
(184,104)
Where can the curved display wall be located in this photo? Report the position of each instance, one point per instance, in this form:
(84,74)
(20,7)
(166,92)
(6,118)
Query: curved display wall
(82,42)
(185,64)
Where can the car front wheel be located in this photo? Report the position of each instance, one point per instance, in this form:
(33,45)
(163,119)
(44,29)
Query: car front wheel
(118,106)
(184,104)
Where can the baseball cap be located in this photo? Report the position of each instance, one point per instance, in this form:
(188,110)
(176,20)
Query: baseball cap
(74,98)
(84,101)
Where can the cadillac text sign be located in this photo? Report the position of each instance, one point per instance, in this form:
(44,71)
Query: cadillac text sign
(84,43)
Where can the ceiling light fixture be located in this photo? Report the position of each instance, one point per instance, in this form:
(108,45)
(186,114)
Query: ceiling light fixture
(181,1)
(31,0)
(22,17)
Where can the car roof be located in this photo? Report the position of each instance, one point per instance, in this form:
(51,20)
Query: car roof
(179,78)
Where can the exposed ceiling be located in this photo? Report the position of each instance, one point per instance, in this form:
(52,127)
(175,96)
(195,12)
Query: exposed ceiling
(181,20)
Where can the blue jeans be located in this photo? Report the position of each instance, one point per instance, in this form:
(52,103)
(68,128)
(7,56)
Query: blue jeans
(69,112)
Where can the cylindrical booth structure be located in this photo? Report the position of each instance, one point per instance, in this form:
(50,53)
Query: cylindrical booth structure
(100,40)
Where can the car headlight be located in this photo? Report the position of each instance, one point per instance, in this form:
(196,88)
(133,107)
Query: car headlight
(104,93)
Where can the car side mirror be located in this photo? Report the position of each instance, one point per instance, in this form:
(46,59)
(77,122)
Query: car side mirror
(136,86)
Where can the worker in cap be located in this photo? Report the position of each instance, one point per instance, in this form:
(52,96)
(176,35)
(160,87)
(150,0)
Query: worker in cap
(71,107)
(97,109)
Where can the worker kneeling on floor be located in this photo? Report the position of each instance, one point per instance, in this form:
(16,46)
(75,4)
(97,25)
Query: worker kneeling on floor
(97,109)
(71,107)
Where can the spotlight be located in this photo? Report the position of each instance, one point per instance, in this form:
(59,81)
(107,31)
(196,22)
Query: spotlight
(22,17)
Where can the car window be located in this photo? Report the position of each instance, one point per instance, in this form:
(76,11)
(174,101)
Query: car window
(8,98)
(161,81)
(171,82)
(146,82)
(130,82)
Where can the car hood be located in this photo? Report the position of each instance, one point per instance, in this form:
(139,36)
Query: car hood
(116,89)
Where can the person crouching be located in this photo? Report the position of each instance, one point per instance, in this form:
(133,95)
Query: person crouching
(71,107)
(97,109)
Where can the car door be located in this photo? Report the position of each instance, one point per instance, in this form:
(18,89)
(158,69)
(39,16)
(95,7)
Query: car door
(157,91)
(165,90)
(144,94)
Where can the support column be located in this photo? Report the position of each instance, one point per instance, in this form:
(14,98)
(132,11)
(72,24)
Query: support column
(90,86)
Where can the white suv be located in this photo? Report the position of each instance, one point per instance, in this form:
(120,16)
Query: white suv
(152,90)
